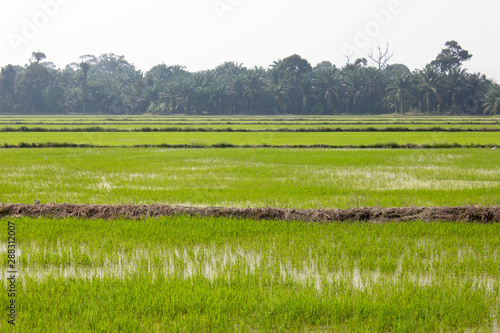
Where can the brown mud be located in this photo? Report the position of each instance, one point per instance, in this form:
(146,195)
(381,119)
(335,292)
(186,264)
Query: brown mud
(429,122)
(230,145)
(244,130)
(471,214)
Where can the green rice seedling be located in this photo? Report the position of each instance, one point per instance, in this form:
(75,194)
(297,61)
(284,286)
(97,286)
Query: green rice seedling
(183,273)
(288,178)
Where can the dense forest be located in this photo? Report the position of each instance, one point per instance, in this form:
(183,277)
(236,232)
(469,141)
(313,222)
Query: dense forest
(108,84)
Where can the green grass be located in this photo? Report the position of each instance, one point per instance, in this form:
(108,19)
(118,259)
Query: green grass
(291,178)
(185,274)
(200,138)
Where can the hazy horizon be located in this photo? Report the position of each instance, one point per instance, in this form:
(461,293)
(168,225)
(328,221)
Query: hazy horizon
(202,34)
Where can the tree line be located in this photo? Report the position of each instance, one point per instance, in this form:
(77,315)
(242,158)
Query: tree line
(109,84)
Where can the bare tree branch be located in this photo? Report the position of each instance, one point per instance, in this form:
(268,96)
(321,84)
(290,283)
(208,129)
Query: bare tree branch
(382,58)
(348,56)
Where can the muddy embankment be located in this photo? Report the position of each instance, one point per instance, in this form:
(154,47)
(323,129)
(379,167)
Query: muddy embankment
(473,214)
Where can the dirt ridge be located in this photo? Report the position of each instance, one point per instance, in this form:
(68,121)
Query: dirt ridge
(471,214)
(223,145)
(98,129)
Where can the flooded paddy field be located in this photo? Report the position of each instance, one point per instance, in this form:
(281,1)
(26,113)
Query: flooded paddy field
(221,274)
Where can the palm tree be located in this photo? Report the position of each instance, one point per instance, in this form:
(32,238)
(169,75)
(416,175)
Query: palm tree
(177,71)
(218,91)
(353,89)
(230,69)
(277,88)
(253,89)
(170,96)
(372,86)
(428,81)
(479,89)
(328,84)
(127,99)
(160,73)
(199,99)
(152,93)
(492,106)
(304,90)
(184,95)
(456,82)
(276,63)
(400,89)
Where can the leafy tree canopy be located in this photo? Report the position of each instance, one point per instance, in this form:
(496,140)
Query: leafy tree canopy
(451,57)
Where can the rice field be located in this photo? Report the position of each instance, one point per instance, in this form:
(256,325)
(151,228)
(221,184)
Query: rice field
(337,132)
(219,275)
(191,274)
(239,139)
(286,178)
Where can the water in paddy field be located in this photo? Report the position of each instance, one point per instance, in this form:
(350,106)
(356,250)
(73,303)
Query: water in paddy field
(212,263)
(40,262)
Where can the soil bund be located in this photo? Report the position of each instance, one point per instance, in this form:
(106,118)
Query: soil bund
(472,214)
(244,130)
(390,145)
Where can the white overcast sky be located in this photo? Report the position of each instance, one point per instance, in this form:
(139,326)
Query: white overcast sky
(201,34)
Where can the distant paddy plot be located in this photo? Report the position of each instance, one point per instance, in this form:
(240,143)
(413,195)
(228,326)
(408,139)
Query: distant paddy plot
(263,138)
